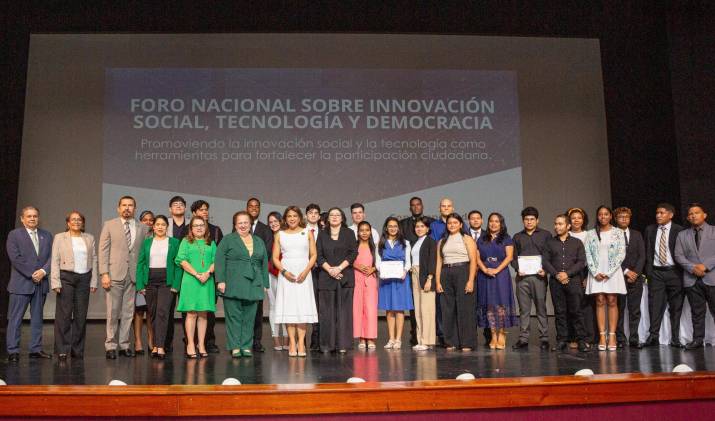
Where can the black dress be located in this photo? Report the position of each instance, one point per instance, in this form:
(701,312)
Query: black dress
(335,297)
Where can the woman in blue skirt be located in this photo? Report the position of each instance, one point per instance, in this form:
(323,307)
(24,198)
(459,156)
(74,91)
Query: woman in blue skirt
(395,294)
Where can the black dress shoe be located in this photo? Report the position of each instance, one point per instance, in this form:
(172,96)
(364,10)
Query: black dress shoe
(694,345)
(13,357)
(638,345)
(652,341)
(139,352)
(583,346)
(620,344)
(62,357)
(41,354)
(561,346)
(544,346)
(127,353)
(213,349)
(314,347)
(111,354)
(258,347)
(676,344)
(520,344)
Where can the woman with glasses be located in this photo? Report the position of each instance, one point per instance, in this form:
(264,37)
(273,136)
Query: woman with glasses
(197,292)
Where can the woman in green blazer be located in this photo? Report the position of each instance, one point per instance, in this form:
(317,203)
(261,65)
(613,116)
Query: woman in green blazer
(242,277)
(159,278)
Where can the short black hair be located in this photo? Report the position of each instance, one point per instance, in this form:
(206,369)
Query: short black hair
(198,204)
(253,199)
(667,206)
(355,206)
(696,205)
(415,198)
(530,211)
(312,206)
(177,199)
(472,212)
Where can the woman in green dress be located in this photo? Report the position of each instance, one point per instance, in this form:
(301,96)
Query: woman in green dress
(197,293)
(242,278)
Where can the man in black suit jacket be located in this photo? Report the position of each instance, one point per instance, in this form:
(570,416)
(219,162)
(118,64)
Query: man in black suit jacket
(476,231)
(665,277)
(407,226)
(262,231)
(632,267)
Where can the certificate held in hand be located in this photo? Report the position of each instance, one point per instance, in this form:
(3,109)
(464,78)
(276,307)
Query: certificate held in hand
(529,265)
(393,269)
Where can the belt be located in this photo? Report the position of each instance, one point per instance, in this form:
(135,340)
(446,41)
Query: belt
(664,268)
(455,265)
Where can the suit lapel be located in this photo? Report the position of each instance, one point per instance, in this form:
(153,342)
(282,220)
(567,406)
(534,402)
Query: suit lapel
(28,240)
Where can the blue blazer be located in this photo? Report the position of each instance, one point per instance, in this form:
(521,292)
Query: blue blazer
(24,260)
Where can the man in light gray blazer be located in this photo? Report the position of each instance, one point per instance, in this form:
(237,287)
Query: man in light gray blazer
(119,245)
(695,252)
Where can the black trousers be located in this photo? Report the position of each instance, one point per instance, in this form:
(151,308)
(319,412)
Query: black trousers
(634,294)
(158,301)
(457,308)
(210,326)
(665,286)
(567,308)
(169,341)
(71,312)
(700,296)
(315,333)
(336,318)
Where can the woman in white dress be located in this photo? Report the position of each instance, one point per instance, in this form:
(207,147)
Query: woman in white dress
(605,251)
(278,331)
(294,255)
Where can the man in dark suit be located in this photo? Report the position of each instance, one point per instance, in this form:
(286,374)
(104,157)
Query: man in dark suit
(665,277)
(476,231)
(407,226)
(695,252)
(29,250)
(262,231)
(632,267)
(200,208)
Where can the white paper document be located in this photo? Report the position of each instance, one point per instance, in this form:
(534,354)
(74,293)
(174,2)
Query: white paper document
(529,265)
(392,269)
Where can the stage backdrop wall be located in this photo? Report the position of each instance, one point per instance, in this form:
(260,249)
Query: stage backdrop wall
(494,122)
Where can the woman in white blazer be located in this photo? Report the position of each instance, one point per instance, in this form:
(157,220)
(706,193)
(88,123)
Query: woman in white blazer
(73,276)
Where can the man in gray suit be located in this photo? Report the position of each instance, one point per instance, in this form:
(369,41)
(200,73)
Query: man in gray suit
(695,252)
(29,250)
(119,245)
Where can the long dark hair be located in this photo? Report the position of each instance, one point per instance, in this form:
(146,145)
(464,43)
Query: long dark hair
(370,243)
(502,229)
(597,225)
(445,236)
(400,239)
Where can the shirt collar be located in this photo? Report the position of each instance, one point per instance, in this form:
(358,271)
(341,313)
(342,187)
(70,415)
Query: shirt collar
(666,226)
(30,231)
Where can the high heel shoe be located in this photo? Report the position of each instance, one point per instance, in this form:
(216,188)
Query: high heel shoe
(602,347)
(191,356)
(501,339)
(612,347)
(493,342)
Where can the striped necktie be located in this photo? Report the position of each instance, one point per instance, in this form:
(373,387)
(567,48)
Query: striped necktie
(663,247)
(128,234)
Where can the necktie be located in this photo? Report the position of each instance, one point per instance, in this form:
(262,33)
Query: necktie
(697,238)
(625,236)
(312,232)
(128,234)
(33,235)
(663,247)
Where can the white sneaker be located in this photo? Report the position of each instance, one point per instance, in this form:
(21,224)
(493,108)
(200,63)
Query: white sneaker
(420,348)
(389,344)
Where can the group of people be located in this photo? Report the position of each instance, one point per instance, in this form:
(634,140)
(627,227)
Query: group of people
(452,275)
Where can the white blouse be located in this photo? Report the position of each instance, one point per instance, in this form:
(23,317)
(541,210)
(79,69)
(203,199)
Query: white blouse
(158,253)
(415,253)
(79,250)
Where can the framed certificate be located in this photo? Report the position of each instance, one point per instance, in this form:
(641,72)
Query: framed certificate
(529,265)
(392,270)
